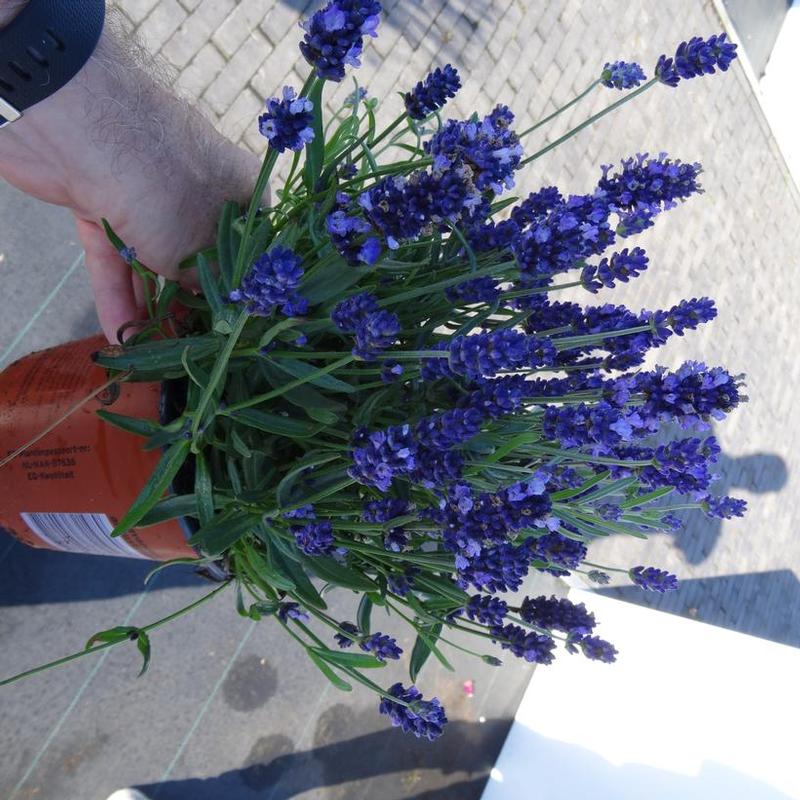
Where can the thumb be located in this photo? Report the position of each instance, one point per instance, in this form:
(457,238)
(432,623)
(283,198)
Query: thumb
(111,279)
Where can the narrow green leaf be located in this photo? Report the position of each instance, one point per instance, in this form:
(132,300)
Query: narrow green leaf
(227,244)
(442,587)
(565,494)
(304,589)
(143,643)
(178,505)
(203,490)
(331,570)
(139,427)
(159,356)
(364,614)
(314,459)
(272,423)
(166,469)
(344,659)
(321,285)
(301,369)
(340,684)
(267,566)
(421,651)
(223,531)
(644,499)
(116,634)
(431,644)
(315,150)
(614,487)
(208,284)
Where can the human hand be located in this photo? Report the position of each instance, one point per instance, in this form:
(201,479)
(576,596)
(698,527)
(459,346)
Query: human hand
(116,143)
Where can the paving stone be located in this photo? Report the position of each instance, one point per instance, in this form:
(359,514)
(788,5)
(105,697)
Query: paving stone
(161,24)
(195,32)
(237,72)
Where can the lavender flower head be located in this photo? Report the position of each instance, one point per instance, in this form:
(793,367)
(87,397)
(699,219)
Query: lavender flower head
(334,36)
(271,284)
(423,718)
(287,611)
(622,75)
(288,123)
(349,635)
(696,57)
(316,538)
(653,579)
(432,93)
(381,646)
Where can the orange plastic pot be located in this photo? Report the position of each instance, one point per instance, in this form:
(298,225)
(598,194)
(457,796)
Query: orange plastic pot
(68,490)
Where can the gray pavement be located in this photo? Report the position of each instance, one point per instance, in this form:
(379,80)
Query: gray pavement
(228,710)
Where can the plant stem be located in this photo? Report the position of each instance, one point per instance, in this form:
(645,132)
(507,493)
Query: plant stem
(589,121)
(105,645)
(562,109)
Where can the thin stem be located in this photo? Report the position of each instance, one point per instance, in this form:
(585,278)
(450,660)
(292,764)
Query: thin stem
(562,109)
(106,645)
(589,121)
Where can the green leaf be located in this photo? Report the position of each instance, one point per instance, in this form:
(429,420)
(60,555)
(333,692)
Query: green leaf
(233,476)
(315,150)
(324,284)
(208,284)
(614,487)
(421,610)
(364,614)
(267,566)
(203,490)
(143,643)
(239,444)
(223,531)
(139,427)
(227,244)
(116,634)
(644,499)
(313,459)
(162,357)
(332,571)
(272,423)
(421,651)
(344,659)
(565,494)
(167,434)
(166,469)
(442,587)
(301,369)
(304,589)
(430,642)
(340,684)
(176,505)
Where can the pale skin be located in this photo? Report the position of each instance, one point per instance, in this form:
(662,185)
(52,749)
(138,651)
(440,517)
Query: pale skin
(116,143)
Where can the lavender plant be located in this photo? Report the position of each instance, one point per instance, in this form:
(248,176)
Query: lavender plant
(384,393)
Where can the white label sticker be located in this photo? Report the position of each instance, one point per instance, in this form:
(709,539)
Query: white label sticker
(79,533)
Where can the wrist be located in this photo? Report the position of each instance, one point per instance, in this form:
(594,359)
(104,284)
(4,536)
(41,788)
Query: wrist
(9,9)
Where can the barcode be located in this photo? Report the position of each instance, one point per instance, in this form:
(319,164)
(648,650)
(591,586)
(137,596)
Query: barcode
(79,533)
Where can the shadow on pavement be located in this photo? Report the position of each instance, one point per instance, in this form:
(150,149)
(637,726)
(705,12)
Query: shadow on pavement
(759,473)
(32,576)
(378,762)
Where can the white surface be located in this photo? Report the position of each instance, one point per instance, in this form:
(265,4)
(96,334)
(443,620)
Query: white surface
(688,712)
(780,93)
